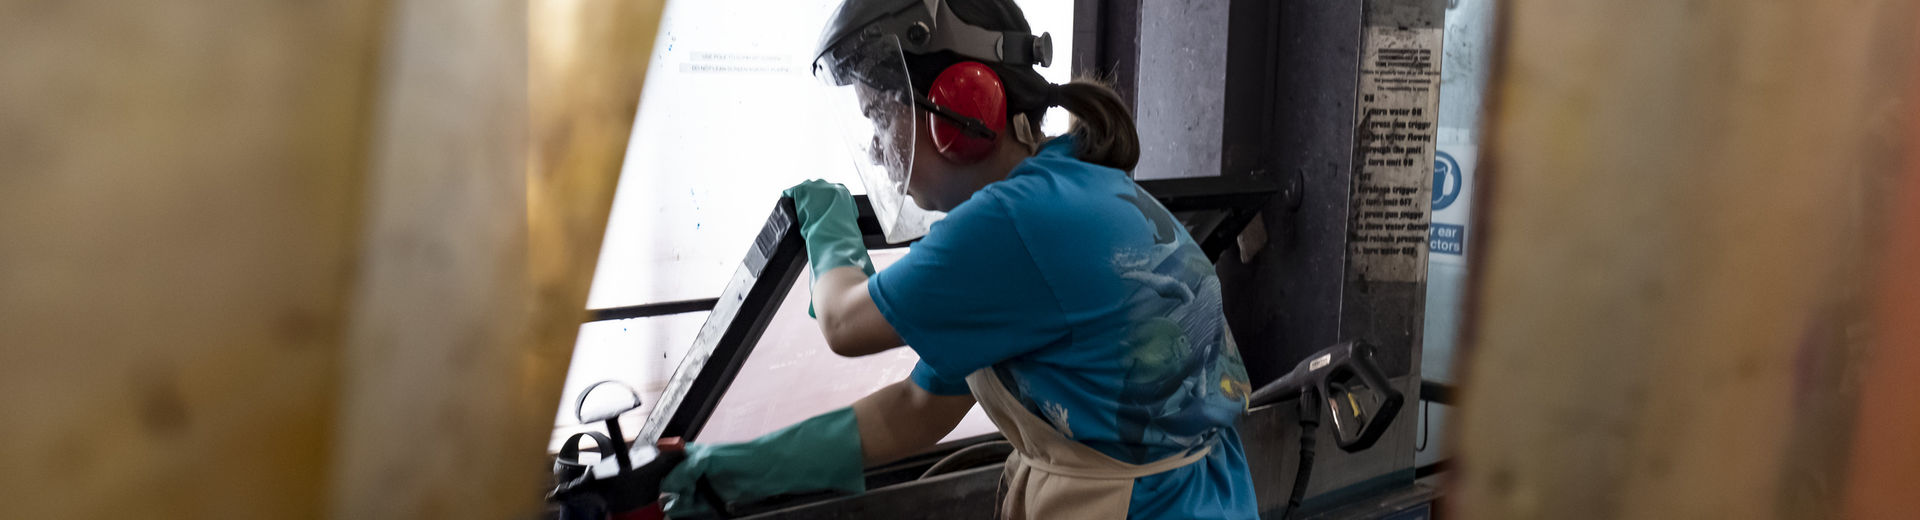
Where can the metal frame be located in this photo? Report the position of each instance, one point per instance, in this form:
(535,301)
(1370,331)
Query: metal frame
(652,309)
(739,317)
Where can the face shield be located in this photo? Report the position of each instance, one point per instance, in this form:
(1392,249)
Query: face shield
(870,100)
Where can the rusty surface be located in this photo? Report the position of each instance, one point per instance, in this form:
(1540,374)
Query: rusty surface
(1678,200)
(271,260)
(587,63)
(1886,457)
(506,125)
(435,342)
(180,184)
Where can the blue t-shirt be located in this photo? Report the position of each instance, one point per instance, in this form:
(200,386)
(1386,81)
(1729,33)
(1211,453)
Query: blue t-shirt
(1098,311)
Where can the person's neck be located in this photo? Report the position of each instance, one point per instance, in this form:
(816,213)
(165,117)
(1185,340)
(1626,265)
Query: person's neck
(996,167)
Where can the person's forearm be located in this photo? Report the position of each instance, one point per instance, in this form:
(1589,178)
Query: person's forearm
(847,316)
(901,419)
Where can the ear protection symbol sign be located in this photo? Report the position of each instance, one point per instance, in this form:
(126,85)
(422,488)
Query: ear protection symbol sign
(1447,180)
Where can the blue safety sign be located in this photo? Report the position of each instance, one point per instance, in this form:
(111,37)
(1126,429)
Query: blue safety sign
(1447,239)
(1447,180)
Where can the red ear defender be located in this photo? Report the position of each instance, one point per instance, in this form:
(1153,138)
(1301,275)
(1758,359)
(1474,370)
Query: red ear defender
(972,90)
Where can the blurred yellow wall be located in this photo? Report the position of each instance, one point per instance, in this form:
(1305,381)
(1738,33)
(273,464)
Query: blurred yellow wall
(1682,207)
(278,260)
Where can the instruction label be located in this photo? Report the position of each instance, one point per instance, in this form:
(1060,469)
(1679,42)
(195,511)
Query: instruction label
(1393,154)
(739,63)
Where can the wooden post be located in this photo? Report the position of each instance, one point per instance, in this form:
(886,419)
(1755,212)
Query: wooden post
(588,62)
(1677,203)
(438,326)
(292,260)
(1886,456)
(179,208)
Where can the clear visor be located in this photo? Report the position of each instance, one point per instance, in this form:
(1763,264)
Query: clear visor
(870,100)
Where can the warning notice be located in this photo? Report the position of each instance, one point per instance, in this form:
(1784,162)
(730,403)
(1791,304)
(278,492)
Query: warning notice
(1393,154)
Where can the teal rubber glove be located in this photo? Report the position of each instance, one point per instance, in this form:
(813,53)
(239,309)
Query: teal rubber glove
(830,224)
(818,454)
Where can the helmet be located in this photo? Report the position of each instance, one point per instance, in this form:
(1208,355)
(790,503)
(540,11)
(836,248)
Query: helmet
(863,60)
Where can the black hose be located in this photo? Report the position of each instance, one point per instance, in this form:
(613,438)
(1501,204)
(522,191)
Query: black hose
(1309,427)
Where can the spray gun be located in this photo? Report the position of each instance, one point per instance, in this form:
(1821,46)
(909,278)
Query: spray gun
(1347,384)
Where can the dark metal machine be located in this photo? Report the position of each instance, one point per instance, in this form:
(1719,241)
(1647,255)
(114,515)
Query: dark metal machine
(1358,400)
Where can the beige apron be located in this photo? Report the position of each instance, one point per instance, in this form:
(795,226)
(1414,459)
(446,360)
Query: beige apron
(1049,476)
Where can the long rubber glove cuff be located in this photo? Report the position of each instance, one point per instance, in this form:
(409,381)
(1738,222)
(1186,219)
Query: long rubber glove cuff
(830,224)
(818,454)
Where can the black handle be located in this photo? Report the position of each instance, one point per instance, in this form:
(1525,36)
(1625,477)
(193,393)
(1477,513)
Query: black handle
(1346,380)
(1356,424)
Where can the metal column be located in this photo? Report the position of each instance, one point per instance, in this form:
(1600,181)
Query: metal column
(1336,102)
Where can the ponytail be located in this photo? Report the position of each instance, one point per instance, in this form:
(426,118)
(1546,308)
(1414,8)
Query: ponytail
(1102,128)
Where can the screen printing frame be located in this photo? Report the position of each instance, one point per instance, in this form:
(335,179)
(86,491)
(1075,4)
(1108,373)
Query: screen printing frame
(1215,209)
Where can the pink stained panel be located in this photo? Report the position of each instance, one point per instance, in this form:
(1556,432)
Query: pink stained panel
(791,375)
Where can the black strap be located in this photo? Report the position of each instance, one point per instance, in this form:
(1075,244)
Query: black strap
(1056,95)
(567,466)
(970,126)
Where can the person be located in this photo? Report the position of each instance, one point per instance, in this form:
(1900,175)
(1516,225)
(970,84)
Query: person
(1056,292)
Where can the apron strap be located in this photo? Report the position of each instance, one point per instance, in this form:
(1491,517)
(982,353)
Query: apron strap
(1080,479)
(1141,470)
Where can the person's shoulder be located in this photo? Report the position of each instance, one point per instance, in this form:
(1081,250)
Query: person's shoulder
(1056,159)
(984,215)
(1050,194)
(1041,188)
(1054,179)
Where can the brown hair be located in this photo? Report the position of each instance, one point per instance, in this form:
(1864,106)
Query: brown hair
(1103,131)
